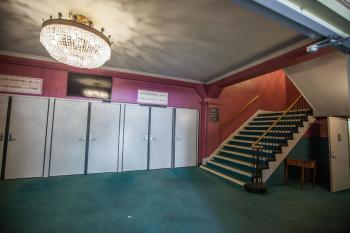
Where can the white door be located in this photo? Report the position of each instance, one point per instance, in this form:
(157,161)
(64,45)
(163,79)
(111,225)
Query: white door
(68,138)
(3,114)
(160,138)
(186,126)
(338,130)
(26,139)
(135,147)
(104,134)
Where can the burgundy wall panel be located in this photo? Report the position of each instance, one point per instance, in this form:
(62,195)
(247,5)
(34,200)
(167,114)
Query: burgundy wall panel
(271,89)
(124,90)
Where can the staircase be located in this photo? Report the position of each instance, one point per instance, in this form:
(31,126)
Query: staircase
(276,133)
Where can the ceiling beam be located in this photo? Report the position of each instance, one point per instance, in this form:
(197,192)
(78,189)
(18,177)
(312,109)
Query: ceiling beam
(275,15)
(300,16)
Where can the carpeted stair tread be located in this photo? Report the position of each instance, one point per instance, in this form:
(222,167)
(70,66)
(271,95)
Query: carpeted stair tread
(224,166)
(244,148)
(223,176)
(302,111)
(238,164)
(273,118)
(241,157)
(244,154)
(276,128)
(235,160)
(249,141)
(247,164)
(228,171)
(272,133)
(297,122)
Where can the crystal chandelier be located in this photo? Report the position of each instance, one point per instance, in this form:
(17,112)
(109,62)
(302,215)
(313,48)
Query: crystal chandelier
(75,42)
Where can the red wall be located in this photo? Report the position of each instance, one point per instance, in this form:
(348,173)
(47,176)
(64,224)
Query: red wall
(124,90)
(273,90)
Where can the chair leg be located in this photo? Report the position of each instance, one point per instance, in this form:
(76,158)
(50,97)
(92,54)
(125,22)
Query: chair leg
(285,173)
(314,177)
(302,177)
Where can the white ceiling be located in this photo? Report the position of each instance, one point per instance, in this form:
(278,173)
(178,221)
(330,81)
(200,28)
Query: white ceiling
(197,40)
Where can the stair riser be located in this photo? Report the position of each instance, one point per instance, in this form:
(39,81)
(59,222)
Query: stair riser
(285,135)
(229,173)
(234,165)
(246,144)
(243,159)
(296,123)
(253,139)
(301,118)
(252,152)
(292,129)
(280,113)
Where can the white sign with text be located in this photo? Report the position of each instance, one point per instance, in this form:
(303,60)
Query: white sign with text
(20,84)
(152,97)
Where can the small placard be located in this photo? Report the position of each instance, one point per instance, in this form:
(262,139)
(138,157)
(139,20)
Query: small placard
(152,97)
(20,84)
(214,114)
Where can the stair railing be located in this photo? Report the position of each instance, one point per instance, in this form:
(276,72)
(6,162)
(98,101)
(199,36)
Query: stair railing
(231,118)
(274,137)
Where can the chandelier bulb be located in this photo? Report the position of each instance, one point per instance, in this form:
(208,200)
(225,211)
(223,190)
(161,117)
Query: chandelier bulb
(75,42)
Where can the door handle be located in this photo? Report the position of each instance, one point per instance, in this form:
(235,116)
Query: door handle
(178,139)
(10,138)
(82,138)
(145,137)
(92,138)
(153,138)
(332,155)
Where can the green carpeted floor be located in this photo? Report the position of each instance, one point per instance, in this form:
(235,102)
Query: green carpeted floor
(177,200)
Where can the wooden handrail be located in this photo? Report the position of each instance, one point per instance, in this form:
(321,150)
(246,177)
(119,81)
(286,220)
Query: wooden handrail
(255,144)
(223,125)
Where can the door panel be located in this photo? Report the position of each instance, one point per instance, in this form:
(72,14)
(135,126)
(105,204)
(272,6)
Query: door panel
(186,127)
(26,141)
(68,138)
(338,130)
(135,138)
(161,138)
(104,133)
(3,114)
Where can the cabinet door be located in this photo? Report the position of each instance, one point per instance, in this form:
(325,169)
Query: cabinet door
(160,138)
(104,134)
(186,127)
(68,138)
(26,139)
(3,114)
(135,147)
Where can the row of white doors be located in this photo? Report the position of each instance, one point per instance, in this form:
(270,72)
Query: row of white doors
(47,137)
(151,129)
